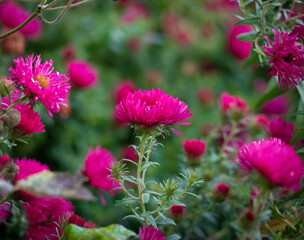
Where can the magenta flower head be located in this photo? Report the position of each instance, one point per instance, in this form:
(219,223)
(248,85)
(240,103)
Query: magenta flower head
(239,48)
(4,212)
(96,168)
(274,160)
(194,150)
(277,106)
(44,214)
(150,233)
(152,109)
(286,59)
(38,81)
(82,74)
(279,128)
(230,104)
(28,167)
(12,15)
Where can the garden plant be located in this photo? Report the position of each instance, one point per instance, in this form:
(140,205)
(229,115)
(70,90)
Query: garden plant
(151,120)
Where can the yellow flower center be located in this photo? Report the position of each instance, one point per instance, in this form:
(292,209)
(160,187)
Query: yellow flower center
(42,80)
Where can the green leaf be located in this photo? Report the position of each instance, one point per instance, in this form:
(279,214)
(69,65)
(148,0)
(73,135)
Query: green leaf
(111,232)
(248,21)
(173,237)
(273,93)
(247,37)
(51,184)
(146,197)
(125,202)
(152,221)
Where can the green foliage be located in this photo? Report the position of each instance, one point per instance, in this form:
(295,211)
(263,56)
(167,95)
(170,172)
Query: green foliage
(111,232)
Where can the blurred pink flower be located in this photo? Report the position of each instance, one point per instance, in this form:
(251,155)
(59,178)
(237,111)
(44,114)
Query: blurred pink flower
(68,53)
(151,108)
(237,47)
(82,74)
(283,167)
(28,167)
(286,59)
(43,214)
(221,5)
(205,96)
(130,153)
(177,212)
(222,189)
(150,233)
(194,148)
(12,15)
(133,12)
(96,168)
(279,128)
(40,83)
(229,103)
(298,29)
(4,211)
(122,90)
(278,105)
(260,120)
(4,159)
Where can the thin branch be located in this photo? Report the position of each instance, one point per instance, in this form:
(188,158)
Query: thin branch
(60,16)
(62,7)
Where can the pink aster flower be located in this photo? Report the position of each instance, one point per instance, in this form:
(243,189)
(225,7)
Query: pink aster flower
(38,81)
(130,153)
(43,214)
(286,59)
(274,160)
(205,96)
(237,47)
(194,149)
(150,233)
(279,128)
(278,105)
(82,74)
(73,218)
(12,15)
(134,12)
(96,168)
(151,108)
(28,167)
(229,103)
(122,90)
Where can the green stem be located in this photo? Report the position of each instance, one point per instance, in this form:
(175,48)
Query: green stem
(180,197)
(228,139)
(148,155)
(136,214)
(256,44)
(66,7)
(4,200)
(263,16)
(127,192)
(5,138)
(139,186)
(71,6)
(34,14)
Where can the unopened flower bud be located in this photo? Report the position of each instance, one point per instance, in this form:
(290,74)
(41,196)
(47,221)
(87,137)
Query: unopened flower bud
(221,191)
(13,44)
(177,212)
(12,118)
(194,150)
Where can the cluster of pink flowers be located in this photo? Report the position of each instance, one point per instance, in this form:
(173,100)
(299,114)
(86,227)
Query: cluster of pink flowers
(286,59)
(283,167)
(151,108)
(229,104)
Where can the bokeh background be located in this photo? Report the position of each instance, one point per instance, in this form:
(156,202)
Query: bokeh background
(187,48)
